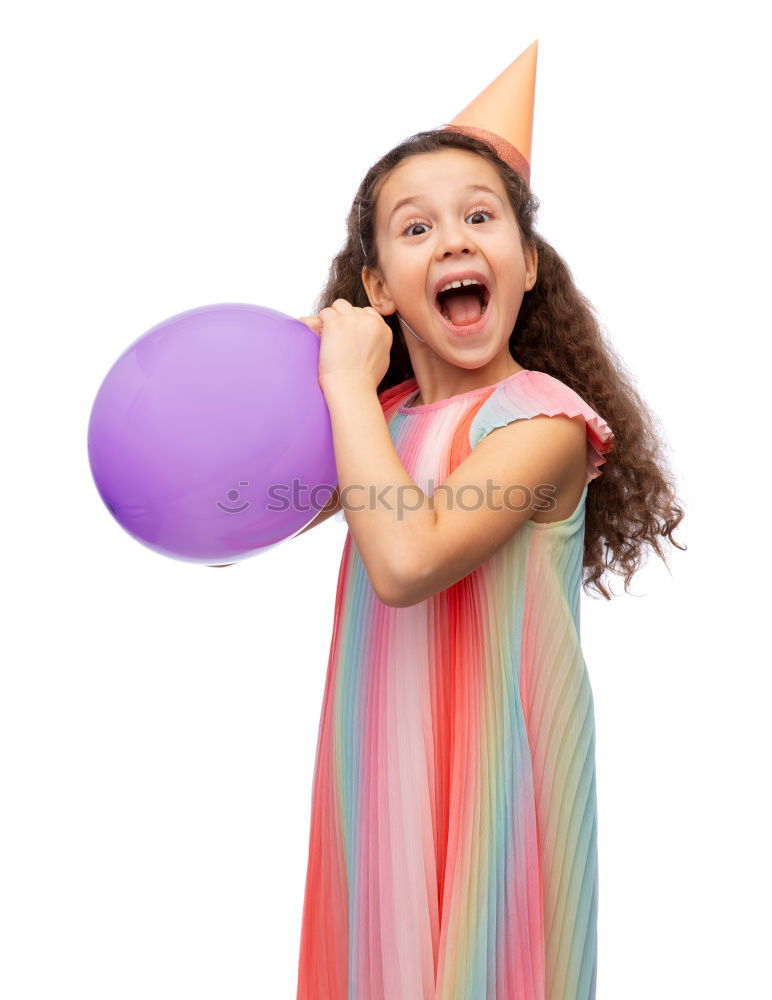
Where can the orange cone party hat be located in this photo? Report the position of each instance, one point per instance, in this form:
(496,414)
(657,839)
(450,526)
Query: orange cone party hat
(502,115)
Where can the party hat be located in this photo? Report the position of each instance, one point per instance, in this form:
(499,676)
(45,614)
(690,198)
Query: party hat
(502,115)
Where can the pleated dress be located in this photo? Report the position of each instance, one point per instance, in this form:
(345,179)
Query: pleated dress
(453,840)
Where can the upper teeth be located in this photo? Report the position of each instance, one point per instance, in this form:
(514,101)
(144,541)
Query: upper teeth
(458,284)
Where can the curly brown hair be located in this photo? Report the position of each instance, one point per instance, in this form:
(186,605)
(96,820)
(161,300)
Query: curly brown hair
(633,503)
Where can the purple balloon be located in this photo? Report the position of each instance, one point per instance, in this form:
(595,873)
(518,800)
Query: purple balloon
(203,425)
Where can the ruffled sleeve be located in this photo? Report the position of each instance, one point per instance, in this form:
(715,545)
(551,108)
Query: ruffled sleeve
(533,393)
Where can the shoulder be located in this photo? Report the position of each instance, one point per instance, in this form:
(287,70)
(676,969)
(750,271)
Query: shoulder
(534,394)
(519,450)
(526,394)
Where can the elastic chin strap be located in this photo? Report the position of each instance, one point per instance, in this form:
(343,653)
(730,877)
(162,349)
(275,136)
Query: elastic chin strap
(411,329)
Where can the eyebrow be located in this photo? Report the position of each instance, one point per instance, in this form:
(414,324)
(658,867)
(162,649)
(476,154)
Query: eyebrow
(419,197)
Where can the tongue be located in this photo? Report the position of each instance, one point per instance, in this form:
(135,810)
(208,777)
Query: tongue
(462,310)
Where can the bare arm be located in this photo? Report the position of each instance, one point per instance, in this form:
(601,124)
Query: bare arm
(511,470)
(419,547)
(331,507)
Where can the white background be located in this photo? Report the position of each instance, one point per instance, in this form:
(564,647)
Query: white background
(158,720)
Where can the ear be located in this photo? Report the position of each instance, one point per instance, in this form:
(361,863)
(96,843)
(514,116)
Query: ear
(531,266)
(378,292)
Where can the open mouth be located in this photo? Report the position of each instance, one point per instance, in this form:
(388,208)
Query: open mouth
(463,306)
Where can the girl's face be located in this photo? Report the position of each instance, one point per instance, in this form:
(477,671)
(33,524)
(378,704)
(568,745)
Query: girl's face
(440,213)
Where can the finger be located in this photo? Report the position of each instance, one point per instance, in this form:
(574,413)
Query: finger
(342,305)
(313,322)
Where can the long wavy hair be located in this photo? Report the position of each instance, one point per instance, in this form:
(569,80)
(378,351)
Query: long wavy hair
(632,505)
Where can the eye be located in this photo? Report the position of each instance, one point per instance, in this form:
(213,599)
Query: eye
(419,222)
(482,211)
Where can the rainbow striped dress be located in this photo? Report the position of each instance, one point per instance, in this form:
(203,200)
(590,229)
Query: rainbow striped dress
(453,839)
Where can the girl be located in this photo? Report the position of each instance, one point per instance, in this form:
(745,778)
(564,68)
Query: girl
(452,849)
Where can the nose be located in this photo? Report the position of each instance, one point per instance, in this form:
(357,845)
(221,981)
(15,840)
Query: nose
(454,240)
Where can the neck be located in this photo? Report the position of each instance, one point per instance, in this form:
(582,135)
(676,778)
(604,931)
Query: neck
(461,381)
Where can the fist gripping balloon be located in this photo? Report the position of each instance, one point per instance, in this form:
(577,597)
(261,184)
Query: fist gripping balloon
(210,438)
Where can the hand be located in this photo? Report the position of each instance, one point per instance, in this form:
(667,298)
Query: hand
(355,341)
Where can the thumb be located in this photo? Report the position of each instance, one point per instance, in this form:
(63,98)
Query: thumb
(313,321)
